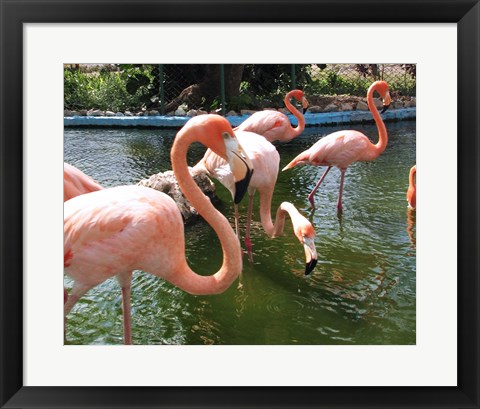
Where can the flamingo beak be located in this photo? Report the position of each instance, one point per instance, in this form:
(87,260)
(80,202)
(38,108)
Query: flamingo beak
(241,166)
(304,104)
(386,102)
(310,255)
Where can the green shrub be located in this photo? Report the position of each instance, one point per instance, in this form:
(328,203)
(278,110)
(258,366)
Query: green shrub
(113,90)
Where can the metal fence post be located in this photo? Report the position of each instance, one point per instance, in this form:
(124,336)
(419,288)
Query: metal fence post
(294,78)
(222,88)
(162,91)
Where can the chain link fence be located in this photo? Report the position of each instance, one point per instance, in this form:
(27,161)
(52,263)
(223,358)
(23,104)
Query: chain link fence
(212,87)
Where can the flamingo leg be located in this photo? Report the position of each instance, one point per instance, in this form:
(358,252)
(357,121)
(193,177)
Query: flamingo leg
(248,241)
(312,193)
(125,280)
(339,203)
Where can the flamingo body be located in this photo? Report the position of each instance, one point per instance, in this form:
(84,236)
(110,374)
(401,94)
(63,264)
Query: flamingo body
(274,125)
(338,149)
(118,230)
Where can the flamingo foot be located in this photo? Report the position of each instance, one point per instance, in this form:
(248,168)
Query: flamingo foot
(249,247)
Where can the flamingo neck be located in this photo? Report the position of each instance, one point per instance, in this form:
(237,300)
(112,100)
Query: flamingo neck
(284,209)
(271,229)
(411,178)
(380,146)
(265,211)
(231,267)
(296,113)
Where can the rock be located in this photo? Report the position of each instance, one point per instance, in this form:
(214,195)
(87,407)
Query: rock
(180,112)
(75,113)
(139,114)
(397,104)
(109,113)
(346,106)
(167,183)
(231,113)
(67,112)
(128,113)
(362,106)
(119,114)
(201,112)
(95,112)
(83,112)
(410,104)
(191,113)
(330,108)
(153,112)
(315,109)
(247,112)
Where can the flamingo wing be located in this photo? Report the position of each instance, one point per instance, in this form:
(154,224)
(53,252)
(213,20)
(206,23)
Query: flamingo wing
(272,125)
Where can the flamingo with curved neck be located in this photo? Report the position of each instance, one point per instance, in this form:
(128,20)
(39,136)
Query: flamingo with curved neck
(412,188)
(114,231)
(342,148)
(274,125)
(265,160)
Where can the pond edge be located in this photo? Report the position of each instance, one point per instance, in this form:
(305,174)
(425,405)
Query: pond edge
(311,119)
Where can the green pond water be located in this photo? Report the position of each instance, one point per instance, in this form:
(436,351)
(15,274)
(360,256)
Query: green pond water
(362,290)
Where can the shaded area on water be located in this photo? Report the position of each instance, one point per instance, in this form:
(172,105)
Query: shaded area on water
(361,292)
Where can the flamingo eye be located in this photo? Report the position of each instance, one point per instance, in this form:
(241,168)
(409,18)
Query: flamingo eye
(226,135)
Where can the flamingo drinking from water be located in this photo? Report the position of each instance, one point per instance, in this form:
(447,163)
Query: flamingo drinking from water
(412,188)
(265,160)
(114,231)
(342,148)
(274,125)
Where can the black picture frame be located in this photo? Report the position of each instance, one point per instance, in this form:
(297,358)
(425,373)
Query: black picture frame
(14,13)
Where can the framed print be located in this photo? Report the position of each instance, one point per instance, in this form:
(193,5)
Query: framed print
(435,365)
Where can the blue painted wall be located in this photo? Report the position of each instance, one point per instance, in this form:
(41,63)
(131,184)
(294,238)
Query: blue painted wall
(326,118)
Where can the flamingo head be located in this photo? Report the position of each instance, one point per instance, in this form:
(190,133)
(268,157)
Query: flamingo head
(215,132)
(305,234)
(382,88)
(300,97)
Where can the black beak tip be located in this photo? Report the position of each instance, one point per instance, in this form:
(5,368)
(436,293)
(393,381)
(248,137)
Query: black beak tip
(241,187)
(310,266)
(385,107)
(304,110)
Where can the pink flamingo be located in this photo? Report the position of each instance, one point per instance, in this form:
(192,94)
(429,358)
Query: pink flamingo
(342,148)
(76,183)
(114,231)
(412,188)
(274,125)
(265,160)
